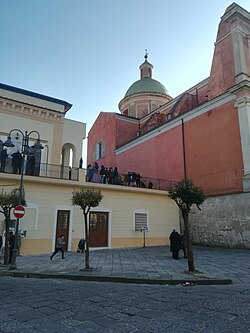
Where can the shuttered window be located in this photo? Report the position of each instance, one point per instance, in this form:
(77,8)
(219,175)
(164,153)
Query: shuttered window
(141,221)
(99,150)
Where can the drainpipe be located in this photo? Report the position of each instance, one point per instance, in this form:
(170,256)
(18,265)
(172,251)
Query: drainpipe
(183,148)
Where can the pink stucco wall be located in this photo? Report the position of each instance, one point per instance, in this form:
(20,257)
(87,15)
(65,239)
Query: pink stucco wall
(213,150)
(103,129)
(126,131)
(160,157)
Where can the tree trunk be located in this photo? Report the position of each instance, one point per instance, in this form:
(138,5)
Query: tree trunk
(191,267)
(86,240)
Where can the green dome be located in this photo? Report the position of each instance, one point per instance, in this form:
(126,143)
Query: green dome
(146,85)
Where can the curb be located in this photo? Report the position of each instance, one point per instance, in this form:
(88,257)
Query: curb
(117,279)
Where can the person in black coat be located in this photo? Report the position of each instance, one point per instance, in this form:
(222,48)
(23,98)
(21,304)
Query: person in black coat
(3,159)
(32,164)
(11,245)
(175,244)
(81,245)
(17,162)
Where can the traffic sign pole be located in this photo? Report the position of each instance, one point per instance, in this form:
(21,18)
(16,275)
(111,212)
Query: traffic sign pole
(14,254)
(19,212)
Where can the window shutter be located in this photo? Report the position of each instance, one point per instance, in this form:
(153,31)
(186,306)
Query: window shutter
(141,221)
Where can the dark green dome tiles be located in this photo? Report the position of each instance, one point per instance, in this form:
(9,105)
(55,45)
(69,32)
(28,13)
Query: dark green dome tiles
(146,85)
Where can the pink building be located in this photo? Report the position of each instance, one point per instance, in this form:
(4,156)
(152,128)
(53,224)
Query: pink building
(202,134)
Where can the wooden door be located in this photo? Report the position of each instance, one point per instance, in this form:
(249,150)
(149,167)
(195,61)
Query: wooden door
(98,229)
(62,226)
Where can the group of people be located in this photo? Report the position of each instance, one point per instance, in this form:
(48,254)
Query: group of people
(177,242)
(109,175)
(16,162)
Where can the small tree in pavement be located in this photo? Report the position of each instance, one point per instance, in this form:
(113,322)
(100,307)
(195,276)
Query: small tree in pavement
(185,194)
(7,202)
(86,199)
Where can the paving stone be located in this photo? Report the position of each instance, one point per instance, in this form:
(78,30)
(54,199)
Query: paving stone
(76,306)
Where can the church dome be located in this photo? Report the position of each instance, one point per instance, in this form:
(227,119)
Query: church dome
(144,95)
(146,85)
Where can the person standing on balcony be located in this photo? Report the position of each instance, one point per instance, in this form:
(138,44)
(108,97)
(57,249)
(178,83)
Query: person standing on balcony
(150,184)
(115,176)
(95,173)
(80,163)
(89,173)
(32,163)
(102,174)
(3,159)
(17,162)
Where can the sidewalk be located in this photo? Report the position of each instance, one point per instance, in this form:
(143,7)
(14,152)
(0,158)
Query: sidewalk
(152,265)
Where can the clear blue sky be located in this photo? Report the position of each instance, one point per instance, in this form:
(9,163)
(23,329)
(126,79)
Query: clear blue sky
(87,52)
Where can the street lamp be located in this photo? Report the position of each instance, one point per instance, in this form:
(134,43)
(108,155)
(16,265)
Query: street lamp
(26,150)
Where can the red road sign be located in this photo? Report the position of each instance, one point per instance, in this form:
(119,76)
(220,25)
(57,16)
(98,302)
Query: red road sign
(19,212)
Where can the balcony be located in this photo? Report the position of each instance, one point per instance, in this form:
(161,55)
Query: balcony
(68,173)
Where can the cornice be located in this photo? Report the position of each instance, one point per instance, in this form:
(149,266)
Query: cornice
(175,122)
(14,107)
(242,101)
(242,85)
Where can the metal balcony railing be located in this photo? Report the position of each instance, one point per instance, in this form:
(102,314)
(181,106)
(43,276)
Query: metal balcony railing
(68,173)
(49,171)
(143,182)
(58,171)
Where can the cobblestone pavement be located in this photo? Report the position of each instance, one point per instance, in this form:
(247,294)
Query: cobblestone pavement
(142,264)
(65,306)
(55,305)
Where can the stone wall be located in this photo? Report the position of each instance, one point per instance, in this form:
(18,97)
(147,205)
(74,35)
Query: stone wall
(222,221)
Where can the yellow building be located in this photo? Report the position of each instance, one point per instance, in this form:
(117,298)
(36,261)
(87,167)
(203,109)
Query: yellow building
(123,212)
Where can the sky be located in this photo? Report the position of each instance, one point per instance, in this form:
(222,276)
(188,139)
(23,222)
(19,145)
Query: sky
(88,52)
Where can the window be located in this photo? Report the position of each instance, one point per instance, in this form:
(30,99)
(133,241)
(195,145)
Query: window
(141,221)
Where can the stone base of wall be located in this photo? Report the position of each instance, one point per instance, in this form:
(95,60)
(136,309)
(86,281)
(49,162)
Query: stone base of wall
(223,221)
(246,183)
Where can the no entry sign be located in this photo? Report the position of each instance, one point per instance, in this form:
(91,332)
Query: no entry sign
(19,212)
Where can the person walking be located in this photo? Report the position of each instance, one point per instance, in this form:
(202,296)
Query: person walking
(59,247)
(175,243)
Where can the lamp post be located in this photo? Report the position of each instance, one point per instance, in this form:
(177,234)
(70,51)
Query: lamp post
(26,150)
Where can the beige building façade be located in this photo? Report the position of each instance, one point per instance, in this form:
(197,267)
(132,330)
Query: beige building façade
(123,212)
